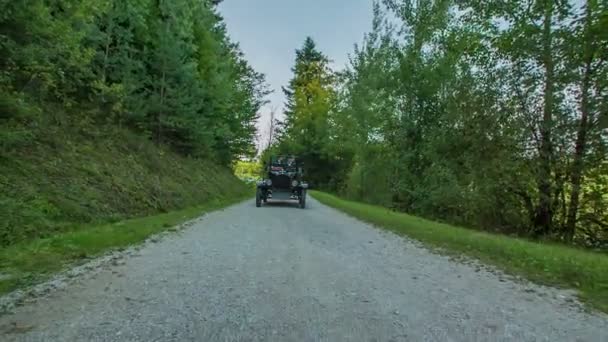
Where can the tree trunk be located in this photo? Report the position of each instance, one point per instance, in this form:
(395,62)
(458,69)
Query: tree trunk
(581,138)
(106,55)
(159,128)
(577,170)
(272,128)
(544,215)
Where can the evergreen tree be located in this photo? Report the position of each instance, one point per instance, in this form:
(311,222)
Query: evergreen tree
(310,99)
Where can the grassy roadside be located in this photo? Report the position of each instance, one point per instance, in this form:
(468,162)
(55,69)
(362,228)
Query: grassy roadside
(66,177)
(550,264)
(31,262)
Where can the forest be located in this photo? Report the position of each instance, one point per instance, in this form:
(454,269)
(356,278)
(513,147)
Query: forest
(115,109)
(485,114)
(165,69)
(491,115)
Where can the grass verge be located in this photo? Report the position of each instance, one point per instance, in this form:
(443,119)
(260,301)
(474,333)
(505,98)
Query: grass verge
(31,262)
(545,263)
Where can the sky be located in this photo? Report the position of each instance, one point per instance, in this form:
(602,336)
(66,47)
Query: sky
(269,32)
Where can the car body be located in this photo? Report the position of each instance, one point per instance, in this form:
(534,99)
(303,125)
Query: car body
(283,181)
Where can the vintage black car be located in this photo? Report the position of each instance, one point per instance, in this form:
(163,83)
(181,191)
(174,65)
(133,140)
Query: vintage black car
(283,181)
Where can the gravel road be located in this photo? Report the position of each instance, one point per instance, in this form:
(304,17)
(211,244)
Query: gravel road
(279,273)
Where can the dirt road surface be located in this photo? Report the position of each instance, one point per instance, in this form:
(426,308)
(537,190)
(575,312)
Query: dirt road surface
(279,273)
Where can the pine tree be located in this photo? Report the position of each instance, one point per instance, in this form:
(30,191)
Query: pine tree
(310,99)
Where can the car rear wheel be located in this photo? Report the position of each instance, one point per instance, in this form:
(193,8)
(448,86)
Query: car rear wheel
(303,199)
(258,198)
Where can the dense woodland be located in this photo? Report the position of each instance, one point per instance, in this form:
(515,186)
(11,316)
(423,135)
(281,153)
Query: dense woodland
(113,109)
(488,114)
(165,69)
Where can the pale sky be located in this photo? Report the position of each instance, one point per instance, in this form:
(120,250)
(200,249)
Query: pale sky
(269,31)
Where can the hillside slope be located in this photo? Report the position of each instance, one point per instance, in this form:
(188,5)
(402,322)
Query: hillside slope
(67,177)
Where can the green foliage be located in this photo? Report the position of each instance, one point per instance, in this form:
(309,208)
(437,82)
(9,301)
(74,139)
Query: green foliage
(480,114)
(542,262)
(84,86)
(248,171)
(68,179)
(306,129)
(165,69)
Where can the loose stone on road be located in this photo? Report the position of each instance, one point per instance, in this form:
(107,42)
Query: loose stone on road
(279,273)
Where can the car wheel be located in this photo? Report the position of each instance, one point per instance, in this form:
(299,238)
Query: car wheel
(258,198)
(303,200)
